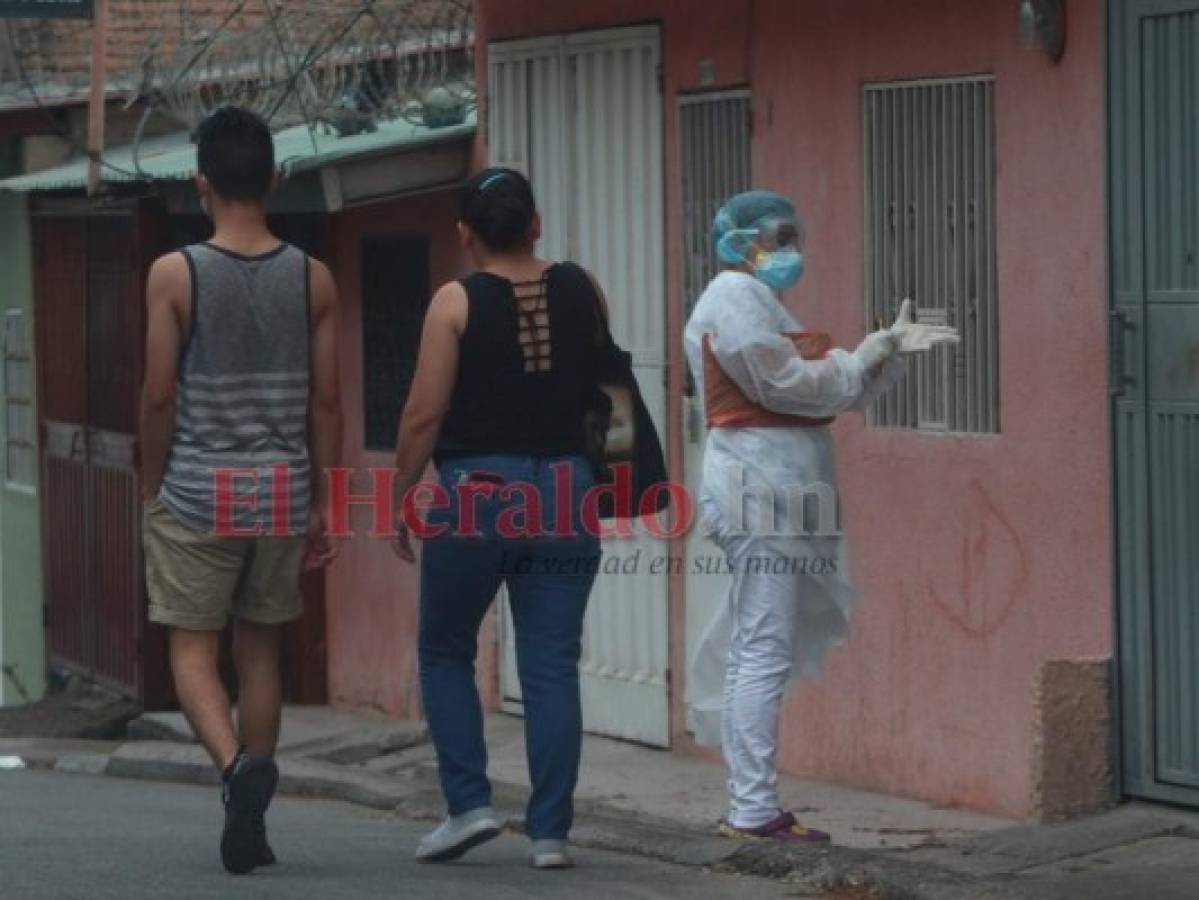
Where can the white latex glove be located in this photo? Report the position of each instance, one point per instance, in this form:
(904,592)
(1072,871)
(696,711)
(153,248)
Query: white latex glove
(877,348)
(916,338)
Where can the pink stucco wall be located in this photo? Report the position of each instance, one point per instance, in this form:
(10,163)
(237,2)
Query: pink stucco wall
(979,558)
(371,606)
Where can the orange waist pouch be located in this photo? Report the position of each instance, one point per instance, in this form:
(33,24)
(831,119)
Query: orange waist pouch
(728,407)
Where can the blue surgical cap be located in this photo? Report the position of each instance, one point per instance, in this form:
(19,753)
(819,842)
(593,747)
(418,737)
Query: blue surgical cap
(742,218)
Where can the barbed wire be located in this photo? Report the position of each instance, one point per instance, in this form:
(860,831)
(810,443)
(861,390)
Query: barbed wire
(340,65)
(62,132)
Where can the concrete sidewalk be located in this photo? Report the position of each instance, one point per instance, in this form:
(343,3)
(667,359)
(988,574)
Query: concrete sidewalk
(616,777)
(638,800)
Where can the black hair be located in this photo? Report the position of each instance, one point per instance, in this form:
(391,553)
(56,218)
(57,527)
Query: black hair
(235,153)
(497,204)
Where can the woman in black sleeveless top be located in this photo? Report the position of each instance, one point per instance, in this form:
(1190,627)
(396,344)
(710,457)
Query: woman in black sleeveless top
(506,367)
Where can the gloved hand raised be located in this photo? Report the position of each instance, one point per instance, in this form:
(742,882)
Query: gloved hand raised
(876,348)
(916,338)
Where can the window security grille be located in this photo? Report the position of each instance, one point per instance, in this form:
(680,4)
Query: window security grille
(714,133)
(929,154)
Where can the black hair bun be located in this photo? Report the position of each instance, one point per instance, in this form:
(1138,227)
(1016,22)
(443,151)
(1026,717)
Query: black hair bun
(497,204)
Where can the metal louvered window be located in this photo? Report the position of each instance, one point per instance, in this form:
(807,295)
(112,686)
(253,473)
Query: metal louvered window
(930,235)
(714,132)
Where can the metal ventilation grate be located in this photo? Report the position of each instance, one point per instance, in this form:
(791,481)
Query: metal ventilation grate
(929,158)
(714,132)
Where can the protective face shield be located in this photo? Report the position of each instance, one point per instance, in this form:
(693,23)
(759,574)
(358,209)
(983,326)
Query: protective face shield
(777,255)
(760,229)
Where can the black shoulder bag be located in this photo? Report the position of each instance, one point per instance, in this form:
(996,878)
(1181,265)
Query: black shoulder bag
(620,432)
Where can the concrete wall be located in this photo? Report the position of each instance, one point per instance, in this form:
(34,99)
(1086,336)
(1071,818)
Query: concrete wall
(22,636)
(371,606)
(980,558)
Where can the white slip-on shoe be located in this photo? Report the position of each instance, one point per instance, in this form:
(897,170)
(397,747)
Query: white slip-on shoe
(550,854)
(458,834)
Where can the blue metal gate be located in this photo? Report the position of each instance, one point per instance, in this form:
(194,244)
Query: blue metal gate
(1154,54)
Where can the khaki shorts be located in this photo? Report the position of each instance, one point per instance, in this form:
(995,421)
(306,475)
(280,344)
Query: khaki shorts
(197,581)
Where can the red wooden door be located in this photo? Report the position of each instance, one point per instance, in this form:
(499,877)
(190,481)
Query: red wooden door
(60,265)
(90,268)
(117,261)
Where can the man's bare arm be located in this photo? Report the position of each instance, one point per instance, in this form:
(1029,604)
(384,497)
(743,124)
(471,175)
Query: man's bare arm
(168,300)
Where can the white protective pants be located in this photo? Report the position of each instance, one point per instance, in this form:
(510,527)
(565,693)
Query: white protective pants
(765,604)
(777,624)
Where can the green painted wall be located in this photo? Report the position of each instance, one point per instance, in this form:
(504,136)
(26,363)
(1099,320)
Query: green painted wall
(22,634)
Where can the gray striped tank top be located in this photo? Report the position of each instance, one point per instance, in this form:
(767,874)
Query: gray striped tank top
(242,394)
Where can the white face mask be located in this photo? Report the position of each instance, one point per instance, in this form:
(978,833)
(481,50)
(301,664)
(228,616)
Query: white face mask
(204,206)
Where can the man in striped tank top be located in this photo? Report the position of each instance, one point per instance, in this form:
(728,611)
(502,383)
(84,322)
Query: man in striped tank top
(240,419)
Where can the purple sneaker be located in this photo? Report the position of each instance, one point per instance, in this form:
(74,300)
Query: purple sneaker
(781,828)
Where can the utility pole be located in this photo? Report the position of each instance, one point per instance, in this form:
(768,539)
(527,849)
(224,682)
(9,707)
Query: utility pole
(95,109)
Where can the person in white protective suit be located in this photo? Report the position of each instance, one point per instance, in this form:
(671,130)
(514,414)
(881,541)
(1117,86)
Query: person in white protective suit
(768,498)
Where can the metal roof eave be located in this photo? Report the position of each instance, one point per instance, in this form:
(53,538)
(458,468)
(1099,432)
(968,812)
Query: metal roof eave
(297,150)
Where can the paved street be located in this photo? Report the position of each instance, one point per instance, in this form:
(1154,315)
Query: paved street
(67,837)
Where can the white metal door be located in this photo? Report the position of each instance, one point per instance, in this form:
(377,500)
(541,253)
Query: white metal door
(581,114)
(715,162)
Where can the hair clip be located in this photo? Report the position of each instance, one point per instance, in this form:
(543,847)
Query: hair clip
(491,179)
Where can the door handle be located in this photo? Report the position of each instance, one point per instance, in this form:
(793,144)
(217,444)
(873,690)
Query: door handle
(77,439)
(1118,378)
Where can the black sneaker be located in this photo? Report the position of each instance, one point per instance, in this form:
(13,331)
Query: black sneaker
(266,856)
(249,784)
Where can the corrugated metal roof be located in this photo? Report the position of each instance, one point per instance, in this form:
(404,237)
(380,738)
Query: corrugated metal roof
(173,157)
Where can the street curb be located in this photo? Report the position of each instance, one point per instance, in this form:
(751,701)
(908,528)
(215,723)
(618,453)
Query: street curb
(330,781)
(597,826)
(179,763)
(348,750)
(47,753)
(82,763)
(830,867)
(818,869)
(163,761)
(347,746)
(188,763)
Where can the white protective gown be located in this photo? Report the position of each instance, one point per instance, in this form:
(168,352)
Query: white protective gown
(746,321)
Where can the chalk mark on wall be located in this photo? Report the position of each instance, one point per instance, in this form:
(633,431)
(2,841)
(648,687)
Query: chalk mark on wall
(994,571)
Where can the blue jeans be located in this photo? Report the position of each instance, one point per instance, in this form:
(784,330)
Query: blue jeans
(549,579)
